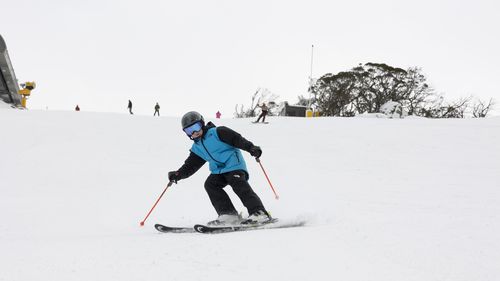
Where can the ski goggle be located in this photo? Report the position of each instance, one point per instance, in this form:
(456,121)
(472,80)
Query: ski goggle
(193,128)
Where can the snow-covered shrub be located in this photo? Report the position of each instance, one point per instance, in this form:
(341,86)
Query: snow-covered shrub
(393,110)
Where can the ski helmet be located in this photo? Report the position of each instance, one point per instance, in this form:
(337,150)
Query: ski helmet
(190,118)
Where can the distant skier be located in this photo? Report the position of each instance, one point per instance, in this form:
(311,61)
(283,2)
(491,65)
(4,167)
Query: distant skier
(77,108)
(263,114)
(157,109)
(218,114)
(220,147)
(130,107)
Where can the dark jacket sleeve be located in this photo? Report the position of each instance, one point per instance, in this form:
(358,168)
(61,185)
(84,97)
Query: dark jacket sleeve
(192,164)
(233,138)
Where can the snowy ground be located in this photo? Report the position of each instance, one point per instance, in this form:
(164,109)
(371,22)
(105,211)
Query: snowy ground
(410,199)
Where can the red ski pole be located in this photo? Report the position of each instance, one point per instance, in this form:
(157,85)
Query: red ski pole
(168,185)
(265,174)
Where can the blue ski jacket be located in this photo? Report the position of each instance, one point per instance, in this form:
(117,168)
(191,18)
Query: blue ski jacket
(220,147)
(222,157)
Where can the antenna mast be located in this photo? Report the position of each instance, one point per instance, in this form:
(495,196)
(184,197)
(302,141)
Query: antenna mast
(310,77)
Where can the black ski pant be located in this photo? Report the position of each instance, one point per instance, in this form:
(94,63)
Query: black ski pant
(238,180)
(263,116)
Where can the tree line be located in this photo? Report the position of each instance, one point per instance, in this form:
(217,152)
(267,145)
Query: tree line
(366,88)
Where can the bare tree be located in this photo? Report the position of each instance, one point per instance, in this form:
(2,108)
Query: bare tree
(239,113)
(261,95)
(480,109)
(250,112)
(439,109)
(457,109)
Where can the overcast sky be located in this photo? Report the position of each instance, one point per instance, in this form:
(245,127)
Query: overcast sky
(211,55)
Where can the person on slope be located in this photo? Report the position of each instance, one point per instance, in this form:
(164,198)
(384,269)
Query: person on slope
(220,147)
(130,107)
(157,109)
(263,114)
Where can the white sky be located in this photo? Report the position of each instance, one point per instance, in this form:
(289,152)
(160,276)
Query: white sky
(212,55)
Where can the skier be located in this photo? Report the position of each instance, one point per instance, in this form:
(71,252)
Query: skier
(264,109)
(157,109)
(220,147)
(130,107)
(77,108)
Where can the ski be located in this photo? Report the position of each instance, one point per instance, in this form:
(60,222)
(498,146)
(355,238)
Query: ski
(242,227)
(170,229)
(200,228)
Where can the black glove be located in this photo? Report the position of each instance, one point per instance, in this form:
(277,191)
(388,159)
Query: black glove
(174,176)
(255,151)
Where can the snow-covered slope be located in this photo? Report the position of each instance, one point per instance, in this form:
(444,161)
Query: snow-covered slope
(410,199)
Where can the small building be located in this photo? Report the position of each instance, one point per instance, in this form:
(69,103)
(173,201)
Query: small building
(292,110)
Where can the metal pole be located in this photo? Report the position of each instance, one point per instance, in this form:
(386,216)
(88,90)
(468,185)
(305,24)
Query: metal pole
(312,56)
(156,203)
(268,180)
(310,77)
